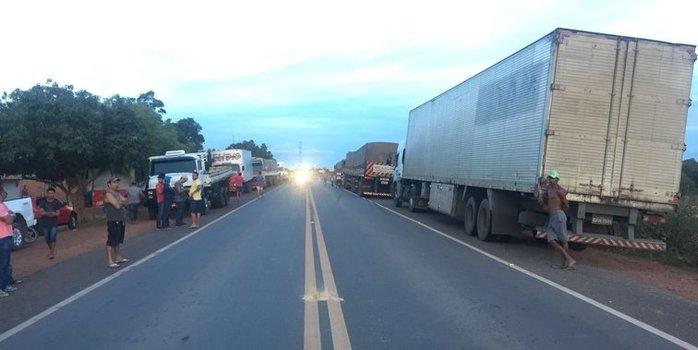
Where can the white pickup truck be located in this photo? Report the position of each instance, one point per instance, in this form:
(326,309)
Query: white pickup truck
(23,227)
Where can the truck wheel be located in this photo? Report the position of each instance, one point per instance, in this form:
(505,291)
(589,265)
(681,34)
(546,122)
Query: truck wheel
(470,217)
(484,221)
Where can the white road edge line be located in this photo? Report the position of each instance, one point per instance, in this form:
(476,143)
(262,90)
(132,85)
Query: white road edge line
(311,319)
(562,288)
(340,335)
(18,328)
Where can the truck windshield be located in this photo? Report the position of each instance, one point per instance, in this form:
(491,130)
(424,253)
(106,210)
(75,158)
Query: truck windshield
(177,165)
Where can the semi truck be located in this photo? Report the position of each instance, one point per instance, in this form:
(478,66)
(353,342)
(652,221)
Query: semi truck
(176,164)
(369,170)
(607,112)
(239,160)
(268,168)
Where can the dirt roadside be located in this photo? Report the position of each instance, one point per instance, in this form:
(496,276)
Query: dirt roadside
(681,281)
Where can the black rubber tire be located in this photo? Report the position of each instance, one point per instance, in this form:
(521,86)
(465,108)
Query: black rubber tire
(484,221)
(73,221)
(577,247)
(470,217)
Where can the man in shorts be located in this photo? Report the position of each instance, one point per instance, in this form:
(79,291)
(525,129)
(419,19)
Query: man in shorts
(48,221)
(552,197)
(196,203)
(114,204)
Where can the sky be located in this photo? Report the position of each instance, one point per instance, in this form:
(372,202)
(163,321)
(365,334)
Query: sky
(331,75)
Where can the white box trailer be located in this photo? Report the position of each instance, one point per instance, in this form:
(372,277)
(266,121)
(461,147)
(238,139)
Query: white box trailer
(608,112)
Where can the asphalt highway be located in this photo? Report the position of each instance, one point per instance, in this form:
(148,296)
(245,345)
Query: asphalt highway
(316,267)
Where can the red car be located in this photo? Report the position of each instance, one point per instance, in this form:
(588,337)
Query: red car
(66,214)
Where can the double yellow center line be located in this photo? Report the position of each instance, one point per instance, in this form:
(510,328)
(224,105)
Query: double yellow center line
(313,297)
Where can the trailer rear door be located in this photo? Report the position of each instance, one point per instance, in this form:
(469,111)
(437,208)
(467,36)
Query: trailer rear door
(617,116)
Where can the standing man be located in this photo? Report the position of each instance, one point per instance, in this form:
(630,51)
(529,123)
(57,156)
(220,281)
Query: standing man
(180,199)
(135,195)
(196,203)
(169,198)
(239,183)
(160,200)
(48,221)
(114,208)
(552,197)
(7,217)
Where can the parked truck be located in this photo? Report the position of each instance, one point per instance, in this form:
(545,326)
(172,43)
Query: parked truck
(369,170)
(23,227)
(268,168)
(607,112)
(178,163)
(241,162)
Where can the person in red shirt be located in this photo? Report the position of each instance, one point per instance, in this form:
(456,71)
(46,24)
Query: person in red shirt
(160,200)
(238,181)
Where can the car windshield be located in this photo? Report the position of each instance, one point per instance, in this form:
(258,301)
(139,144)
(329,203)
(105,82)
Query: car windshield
(178,165)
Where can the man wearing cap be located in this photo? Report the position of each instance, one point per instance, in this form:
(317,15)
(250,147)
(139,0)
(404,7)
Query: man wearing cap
(552,197)
(114,204)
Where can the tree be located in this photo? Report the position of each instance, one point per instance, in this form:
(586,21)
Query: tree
(189,134)
(56,135)
(148,99)
(260,151)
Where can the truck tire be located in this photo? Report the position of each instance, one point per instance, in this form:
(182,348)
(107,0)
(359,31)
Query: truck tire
(470,217)
(484,221)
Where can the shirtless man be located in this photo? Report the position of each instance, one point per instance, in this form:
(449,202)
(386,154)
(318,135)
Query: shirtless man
(552,197)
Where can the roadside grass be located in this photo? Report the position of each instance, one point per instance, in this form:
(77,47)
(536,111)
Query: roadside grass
(680,232)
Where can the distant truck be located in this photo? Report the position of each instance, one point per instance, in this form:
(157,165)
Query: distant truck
(268,168)
(240,160)
(175,164)
(369,170)
(608,112)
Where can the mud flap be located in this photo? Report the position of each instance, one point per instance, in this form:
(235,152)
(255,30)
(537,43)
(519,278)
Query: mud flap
(505,212)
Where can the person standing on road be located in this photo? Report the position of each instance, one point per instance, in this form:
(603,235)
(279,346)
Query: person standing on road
(48,221)
(169,193)
(114,208)
(160,200)
(135,195)
(239,183)
(196,203)
(7,217)
(259,183)
(180,199)
(552,197)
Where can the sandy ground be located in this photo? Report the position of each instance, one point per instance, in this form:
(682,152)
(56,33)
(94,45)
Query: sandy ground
(34,257)
(682,281)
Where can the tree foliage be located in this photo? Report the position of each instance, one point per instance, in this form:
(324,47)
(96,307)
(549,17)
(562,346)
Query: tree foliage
(260,151)
(60,136)
(189,134)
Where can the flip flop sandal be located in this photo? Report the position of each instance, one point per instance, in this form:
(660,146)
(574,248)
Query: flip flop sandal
(124,260)
(113,266)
